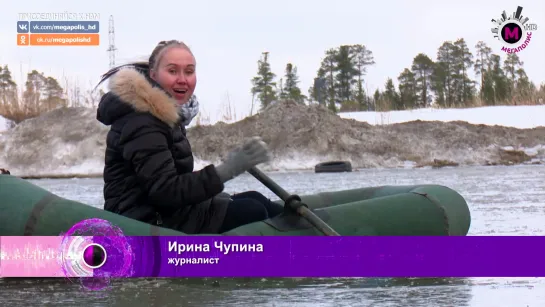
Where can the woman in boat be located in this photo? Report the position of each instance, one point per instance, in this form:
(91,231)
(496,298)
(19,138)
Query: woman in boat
(148,171)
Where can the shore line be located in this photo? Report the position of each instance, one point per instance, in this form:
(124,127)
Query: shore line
(61,176)
(440,165)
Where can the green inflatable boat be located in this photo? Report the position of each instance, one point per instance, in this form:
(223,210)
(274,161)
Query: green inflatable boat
(420,210)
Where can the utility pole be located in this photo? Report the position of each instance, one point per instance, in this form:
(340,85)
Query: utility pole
(111,36)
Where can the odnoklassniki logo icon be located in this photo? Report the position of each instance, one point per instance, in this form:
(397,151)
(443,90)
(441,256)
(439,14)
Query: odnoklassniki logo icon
(514,31)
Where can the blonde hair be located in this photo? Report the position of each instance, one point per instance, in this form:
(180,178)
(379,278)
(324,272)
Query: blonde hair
(153,61)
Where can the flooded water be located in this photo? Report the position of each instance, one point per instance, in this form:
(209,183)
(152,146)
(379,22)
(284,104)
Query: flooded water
(504,201)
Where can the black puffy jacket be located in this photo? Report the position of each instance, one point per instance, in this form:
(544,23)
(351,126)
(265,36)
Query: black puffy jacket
(148,172)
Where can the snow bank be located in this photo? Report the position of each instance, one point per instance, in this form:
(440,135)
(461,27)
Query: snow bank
(3,124)
(71,142)
(522,117)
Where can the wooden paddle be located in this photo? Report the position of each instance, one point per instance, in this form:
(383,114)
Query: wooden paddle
(293,202)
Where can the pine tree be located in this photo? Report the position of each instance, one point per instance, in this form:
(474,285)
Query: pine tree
(290,89)
(377,100)
(340,77)
(499,81)
(464,61)
(328,70)
(34,92)
(263,83)
(513,67)
(423,68)
(482,65)
(54,96)
(8,87)
(345,73)
(391,96)
(317,92)
(9,100)
(363,58)
(408,92)
(444,76)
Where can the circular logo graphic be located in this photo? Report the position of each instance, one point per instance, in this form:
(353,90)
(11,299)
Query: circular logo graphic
(94,255)
(511,32)
(514,31)
(94,251)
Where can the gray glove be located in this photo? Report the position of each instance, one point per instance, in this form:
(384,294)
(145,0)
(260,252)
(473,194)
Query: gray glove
(223,195)
(222,199)
(243,158)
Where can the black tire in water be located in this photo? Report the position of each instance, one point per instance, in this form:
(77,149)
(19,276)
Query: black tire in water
(333,167)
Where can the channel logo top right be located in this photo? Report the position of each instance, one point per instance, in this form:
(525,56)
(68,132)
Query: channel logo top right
(514,31)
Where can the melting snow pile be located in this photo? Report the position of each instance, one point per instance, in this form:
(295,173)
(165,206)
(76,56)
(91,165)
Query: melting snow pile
(71,141)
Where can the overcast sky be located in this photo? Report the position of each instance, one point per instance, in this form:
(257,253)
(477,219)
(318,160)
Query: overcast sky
(228,37)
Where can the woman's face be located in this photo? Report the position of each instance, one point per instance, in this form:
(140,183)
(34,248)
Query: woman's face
(176,73)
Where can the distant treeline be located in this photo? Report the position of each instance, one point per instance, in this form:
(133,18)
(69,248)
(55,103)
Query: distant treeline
(443,83)
(339,84)
(40,94)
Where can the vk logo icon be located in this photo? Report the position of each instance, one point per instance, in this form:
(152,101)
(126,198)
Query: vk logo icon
(23,26)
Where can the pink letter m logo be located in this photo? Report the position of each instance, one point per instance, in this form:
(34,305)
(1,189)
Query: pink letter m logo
(509,34)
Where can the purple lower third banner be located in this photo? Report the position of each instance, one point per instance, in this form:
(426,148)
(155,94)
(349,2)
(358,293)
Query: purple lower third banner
(320,256)
(263,256)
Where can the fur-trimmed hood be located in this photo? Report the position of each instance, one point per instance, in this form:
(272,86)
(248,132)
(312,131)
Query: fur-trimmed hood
(129,91)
